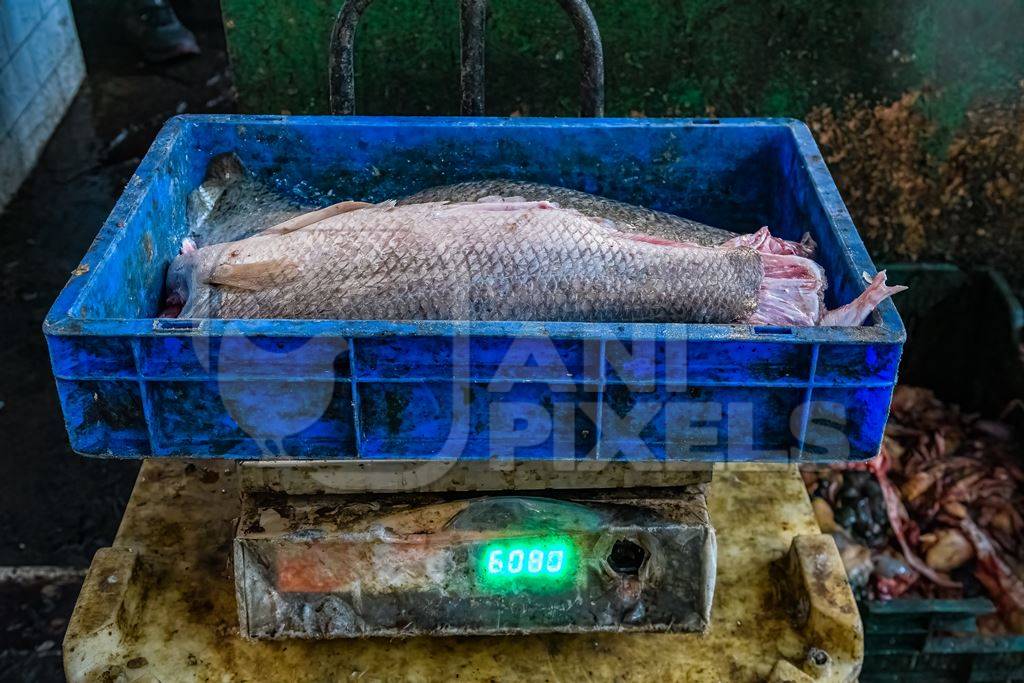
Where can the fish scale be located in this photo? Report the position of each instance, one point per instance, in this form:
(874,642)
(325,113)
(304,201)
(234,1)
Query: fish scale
(465,262)
(626,217)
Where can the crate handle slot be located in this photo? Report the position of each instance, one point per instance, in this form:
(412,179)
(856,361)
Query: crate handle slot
(173,325)
(772,329)
(473,19)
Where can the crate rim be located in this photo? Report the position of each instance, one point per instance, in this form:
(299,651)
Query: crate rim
(886,327)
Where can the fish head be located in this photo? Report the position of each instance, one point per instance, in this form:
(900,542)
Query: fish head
(179,278)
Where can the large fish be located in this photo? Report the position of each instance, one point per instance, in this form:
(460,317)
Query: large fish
(504,258)
(492,260)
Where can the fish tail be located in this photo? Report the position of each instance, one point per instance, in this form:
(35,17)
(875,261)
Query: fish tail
(854,313)
(764,242)
(792,291)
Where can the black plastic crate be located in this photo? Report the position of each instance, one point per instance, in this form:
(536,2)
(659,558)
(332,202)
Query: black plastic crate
(914,640)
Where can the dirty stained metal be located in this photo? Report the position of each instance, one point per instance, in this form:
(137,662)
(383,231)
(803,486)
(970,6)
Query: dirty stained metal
(325,567)
(324,477)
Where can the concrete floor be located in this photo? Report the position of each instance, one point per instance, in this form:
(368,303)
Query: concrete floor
(57,508)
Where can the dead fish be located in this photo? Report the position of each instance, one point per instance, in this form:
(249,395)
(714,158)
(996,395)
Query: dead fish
(496,259)
(466,261)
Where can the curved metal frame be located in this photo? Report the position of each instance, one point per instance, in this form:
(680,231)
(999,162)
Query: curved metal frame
(342,67)
(592,55)
(473,19)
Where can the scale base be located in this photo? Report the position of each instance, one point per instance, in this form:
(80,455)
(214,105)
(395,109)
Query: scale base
(160,604)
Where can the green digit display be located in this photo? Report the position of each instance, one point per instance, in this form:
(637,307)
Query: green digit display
(527,563)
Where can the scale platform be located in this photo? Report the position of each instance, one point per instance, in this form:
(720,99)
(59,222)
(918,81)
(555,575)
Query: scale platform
(161,603)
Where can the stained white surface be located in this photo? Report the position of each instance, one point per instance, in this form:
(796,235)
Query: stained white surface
(41,69)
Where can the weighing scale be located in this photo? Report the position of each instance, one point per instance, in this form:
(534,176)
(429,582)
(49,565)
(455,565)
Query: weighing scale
(392,570)
(161,603)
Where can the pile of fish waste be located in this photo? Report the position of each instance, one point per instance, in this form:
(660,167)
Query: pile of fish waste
(937,514)
(498,250)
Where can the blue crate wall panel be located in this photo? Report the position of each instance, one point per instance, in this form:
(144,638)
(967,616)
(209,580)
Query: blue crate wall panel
(83,356)
(253,418)
(858,364)
(446,420)
(701,423)
(240,356)
(492,359)
(845,423)
(105,417)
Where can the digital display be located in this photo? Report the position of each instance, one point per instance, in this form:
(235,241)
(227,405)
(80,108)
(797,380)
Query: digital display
(527,563)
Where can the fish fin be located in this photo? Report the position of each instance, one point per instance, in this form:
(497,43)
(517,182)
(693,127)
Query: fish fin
(809,245)
(313,217)
(854,313)
(253,276)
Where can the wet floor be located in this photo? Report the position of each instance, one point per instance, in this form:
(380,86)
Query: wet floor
(58,508)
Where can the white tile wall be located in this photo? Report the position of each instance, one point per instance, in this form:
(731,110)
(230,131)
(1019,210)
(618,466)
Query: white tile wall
(41,69)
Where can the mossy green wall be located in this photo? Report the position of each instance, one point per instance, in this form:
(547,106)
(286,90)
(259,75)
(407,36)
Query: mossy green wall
(663,57)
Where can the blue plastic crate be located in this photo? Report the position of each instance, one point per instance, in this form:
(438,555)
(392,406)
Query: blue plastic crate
(132,385)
